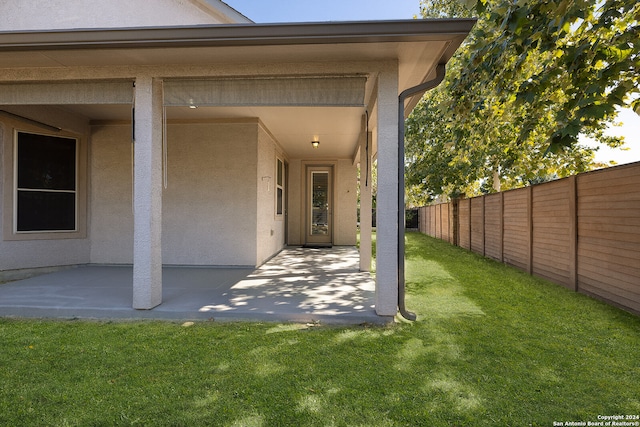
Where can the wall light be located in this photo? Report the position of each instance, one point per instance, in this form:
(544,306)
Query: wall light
(315,143)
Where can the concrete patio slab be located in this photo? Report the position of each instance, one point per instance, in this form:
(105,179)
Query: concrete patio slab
(298,285)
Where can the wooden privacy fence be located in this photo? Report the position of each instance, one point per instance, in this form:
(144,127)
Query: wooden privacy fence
(582,232)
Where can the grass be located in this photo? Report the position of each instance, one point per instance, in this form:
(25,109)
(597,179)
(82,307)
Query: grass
(492,347)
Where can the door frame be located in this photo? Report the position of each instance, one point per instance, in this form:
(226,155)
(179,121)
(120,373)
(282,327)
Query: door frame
(309,238)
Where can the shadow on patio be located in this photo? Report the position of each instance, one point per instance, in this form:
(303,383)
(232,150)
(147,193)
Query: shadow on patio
(299,284)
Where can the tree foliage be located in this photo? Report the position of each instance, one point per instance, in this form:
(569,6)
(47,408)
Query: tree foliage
(533,76)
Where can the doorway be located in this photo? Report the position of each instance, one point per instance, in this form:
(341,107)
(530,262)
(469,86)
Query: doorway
(319,202)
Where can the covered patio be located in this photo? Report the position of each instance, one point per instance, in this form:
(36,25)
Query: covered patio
(215,143)
(298,285)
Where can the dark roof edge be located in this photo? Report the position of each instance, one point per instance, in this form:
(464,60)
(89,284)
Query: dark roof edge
(238,35)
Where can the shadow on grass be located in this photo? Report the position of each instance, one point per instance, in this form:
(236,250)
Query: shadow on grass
(491,347)
(527,341)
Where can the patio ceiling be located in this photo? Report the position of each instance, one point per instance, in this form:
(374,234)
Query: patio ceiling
(294,128)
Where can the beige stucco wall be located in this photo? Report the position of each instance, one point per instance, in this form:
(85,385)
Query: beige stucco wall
(111,230)
(69,14)
(345,199)
(295,221)
(109,187)
(209,205)
(217,208)
(270,227)
(209,214)
(26,251)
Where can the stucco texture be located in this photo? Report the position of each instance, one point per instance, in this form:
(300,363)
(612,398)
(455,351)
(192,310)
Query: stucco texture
(209,205)
(28,251)
(269,226)
(54,14)
(219,207)
(209,214)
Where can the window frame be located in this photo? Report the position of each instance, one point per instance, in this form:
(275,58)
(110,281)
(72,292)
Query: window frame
(280,184)
(8,181)
(17,189)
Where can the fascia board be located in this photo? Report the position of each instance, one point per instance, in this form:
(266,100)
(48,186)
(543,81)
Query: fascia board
(241,35)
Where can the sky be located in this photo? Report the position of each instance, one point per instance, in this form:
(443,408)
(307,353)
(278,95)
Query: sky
(272,11)
(268,11)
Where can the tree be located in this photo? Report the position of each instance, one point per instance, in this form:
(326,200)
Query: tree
(533,75)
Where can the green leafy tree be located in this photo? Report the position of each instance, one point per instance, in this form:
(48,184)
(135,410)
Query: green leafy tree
(533,75)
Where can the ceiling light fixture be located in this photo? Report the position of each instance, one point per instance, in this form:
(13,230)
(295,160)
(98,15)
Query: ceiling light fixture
(315,143)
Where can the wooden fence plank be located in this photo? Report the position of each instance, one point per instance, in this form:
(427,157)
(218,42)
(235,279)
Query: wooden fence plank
(613,296)
(515,228)
(463,223)
(493,226)
(477,225)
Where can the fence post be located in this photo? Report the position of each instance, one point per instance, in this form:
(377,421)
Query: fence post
(484,228)
(440,221)
(470,222)
(449,236)
(530,228)
(573,232)
(454,221)
(501,227)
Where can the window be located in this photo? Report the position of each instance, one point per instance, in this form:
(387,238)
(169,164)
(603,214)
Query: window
(46,183)
(280,178)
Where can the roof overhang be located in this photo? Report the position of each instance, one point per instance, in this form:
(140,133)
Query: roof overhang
(417,46)
(422,30)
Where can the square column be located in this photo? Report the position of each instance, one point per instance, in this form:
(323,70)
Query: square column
(387,198)
(147,250)
(365,198)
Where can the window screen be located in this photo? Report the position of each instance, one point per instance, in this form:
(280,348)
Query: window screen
(279,187)
(46,183)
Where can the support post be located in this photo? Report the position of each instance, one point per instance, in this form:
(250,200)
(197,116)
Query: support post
(387,199)
(365,198)
(147,251)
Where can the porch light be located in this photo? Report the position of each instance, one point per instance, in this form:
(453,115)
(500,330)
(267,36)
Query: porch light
(315,143)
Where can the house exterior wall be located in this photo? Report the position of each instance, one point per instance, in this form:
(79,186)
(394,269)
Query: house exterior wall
(209,205)
(54,14)
(29,251)
(346,203)
(109,186)
(111,167)
(296,192)
(270,227)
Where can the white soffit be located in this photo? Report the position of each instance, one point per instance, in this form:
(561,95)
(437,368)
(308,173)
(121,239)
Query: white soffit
(294,128)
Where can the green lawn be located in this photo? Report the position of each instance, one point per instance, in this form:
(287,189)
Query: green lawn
(492,347)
